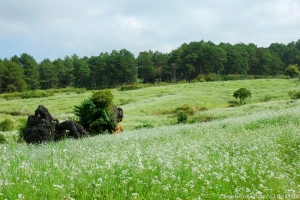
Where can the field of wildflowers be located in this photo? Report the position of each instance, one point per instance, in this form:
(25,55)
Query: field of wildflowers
(254,156)
(246,152)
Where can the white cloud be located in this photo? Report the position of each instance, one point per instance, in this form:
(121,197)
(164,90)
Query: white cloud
(56,28)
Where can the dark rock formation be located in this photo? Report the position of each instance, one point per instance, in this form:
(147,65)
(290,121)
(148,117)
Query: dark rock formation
(119,112)
(42,127)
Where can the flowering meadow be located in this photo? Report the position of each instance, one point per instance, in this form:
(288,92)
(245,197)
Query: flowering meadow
(254,156)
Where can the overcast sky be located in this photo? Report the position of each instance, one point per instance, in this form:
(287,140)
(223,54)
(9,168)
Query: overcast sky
(56,28)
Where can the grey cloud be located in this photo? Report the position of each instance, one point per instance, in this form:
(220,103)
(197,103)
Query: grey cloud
(56,28)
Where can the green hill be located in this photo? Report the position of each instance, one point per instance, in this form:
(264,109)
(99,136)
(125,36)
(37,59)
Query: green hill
(246,152)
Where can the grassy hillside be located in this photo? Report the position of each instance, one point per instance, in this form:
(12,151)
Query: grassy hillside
(155,105)
(247,152)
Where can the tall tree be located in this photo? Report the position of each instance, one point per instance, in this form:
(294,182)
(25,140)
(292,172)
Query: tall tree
(82,72)
(62,73)
(128,67)
(264,58)
(146,68)
(121,68)
(3,72)
(213,58)
(14,78)
(48,75)
(31,71)
(278,49)
(69,78)
(252,58)
(174,63)
(292,55)
(16,59)
(97,65)
(237,59)
(160,61)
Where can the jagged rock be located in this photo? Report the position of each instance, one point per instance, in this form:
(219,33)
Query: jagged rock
(119,112)
(42,127)
(74,130)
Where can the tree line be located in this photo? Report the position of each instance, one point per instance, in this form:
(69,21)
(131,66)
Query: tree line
(187,62)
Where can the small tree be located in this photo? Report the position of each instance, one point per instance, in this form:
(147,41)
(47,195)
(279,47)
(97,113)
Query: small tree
(2,139)
(96,114)
(182,116)
(242,94)
(292,71)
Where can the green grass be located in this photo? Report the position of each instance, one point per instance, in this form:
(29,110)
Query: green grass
(155,105)
(254,155)
(246,152)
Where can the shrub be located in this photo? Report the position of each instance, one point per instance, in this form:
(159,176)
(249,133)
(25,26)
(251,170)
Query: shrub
(294,94)
(265,98)
(129,87)
(200,78)
(186,108)
(212,77)
(21,130)
(2,139)
(96,114)
(292,71)
(102,99)
(7,125)
(242,94)
(182,116)
(145,125)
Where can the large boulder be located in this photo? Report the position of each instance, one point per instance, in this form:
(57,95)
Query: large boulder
(42,127)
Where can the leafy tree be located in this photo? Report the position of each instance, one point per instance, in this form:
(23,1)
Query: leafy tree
(174,64)
(242,94)
(81,72)
(237,59)
(31,71)
(292,71)
(15,59)
(62,74)
(121,68)
(292,55)
(97,66)
(95,114)
(128,67)
(146,69)
(213,58)
(48,75)
(278,49)
(264,58)
(3,72)
(252,59)
(160,61)
(69,78)
(191,57)
(14,77)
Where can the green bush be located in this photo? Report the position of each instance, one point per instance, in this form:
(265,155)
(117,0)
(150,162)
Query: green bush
(265,98)
(242,94)
(146,125)
(294,94)
(185,108)
(21,130)
(212,77)
(182,116)
(292,71)
(7,125)
(2,139)
(129,87)
(103,99)
(95,114)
